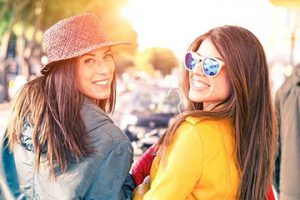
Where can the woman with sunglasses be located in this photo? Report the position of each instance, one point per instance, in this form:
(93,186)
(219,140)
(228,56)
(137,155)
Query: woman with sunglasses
(223,146)
(63,143)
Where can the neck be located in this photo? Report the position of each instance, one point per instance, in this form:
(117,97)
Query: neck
(210,106)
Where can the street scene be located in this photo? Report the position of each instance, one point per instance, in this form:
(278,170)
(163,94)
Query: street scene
(121,90)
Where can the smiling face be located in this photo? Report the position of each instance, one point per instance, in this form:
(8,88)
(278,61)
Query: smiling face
(210,91)
(95,71)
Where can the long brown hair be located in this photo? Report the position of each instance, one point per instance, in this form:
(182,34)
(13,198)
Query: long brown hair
(250,107)
(51,104)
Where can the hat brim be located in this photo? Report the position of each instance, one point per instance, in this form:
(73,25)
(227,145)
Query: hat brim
(82,52)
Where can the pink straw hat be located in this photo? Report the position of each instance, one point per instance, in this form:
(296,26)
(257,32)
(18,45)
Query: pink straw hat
(73,37)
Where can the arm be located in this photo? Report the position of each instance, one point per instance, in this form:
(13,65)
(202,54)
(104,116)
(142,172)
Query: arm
(142,167)
(182,169)
(113,181)
(128,186)
(9,183)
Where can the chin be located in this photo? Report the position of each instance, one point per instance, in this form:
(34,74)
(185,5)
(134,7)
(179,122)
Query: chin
(100,96)
(194,96)
(104,96)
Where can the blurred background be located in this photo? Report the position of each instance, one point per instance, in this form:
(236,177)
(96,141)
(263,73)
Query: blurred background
(147,71)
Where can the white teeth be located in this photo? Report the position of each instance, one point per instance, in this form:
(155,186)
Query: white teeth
(199,84)
(102,83)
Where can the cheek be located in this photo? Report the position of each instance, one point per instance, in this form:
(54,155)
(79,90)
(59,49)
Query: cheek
(187,77)
(222,86)
(82,79)
(112,66)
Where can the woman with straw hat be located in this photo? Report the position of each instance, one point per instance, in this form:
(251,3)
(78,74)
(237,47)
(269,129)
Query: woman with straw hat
(64,144)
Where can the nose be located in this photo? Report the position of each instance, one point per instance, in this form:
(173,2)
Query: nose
(199,69)
(105,67)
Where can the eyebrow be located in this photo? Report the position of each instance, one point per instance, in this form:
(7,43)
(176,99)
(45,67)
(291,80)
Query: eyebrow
(91,54)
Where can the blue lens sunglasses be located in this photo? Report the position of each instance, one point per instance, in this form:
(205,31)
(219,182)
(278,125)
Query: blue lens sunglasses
(211,66)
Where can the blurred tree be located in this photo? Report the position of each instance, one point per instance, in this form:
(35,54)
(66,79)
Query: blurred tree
(9,15)
(163,60)
(142,60)
(156,58)
(123,61)
(3,17)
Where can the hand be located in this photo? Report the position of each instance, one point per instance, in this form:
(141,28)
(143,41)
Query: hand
(140,190)
(147,180)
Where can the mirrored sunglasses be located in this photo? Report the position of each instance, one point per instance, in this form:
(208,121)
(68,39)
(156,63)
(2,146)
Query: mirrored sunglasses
(211,66)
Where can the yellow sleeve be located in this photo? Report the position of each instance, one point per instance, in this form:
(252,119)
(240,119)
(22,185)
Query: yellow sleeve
(183,166)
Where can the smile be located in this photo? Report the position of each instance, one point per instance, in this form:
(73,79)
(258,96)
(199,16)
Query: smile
(199,84)
(101,83)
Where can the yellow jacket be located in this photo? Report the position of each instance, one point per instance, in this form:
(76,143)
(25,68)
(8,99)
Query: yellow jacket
(201,163)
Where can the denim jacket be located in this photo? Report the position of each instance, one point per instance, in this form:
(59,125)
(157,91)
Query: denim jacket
(102,175)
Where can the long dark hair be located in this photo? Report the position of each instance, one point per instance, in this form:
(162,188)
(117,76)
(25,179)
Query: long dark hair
(51,104)
(250,107)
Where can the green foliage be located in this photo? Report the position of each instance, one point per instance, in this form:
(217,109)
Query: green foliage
(4,24)
(56,10)
(163,60)
(160,59)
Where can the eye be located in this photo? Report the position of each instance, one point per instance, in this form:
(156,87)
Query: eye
(108,56)
(89,61)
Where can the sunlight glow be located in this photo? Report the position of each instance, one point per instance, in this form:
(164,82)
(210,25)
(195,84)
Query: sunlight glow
(174,24)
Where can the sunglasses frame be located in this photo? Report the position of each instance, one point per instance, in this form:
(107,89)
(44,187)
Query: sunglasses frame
(200,59)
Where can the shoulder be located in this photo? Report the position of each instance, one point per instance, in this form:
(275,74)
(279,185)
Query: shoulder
(210,136)
(208,125)
(290,87)
(92,115)
(103,133)
(209,131)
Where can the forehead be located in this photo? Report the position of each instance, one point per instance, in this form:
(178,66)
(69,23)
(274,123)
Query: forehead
(208,49)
